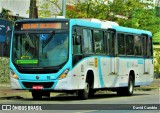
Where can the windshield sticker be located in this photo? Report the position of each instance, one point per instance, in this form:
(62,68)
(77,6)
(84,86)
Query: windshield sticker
(43,37)
(27,61)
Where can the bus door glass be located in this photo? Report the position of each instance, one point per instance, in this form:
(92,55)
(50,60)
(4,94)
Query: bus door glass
(110,49)
(150,55)
(77,44)
(145,54)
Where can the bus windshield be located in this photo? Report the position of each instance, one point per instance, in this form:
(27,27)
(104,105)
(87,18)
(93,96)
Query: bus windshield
(43,49)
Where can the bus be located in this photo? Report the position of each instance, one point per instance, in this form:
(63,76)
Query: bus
(5,27)
(79,56)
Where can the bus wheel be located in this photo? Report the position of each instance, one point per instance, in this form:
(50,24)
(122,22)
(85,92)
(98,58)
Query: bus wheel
(130,88)
(37,95)
(91,92)
(83,94)
(127,91)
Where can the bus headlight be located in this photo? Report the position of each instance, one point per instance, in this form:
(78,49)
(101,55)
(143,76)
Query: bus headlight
(64,74)
(14,75)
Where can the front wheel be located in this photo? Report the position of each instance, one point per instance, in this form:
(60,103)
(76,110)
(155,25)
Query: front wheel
(83,94)
(37,95)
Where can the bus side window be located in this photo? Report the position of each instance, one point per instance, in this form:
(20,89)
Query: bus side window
(98,42)
(121,44)
(87,36)
(144,45)
(129,45)
(150,49)
(110,43)
(138,45)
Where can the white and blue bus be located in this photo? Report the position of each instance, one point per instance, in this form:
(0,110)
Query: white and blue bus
(76,55)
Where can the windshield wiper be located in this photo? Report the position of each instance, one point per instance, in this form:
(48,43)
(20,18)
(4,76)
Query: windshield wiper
(28,39)
(48,39)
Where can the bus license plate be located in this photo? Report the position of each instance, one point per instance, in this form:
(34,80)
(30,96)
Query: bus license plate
(39,87)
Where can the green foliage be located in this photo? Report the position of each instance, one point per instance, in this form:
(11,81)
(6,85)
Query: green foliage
(90,9)
(4,70)
(157,61)
(5,14)
(143,19)
(129,13)
(44,10)
(156,37)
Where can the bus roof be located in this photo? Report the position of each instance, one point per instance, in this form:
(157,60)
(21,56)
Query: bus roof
(85,23)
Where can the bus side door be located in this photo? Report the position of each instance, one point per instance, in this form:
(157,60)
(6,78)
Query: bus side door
(110,48)
(145,54)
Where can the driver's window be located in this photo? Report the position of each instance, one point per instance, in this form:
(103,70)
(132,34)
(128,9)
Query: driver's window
(77,48)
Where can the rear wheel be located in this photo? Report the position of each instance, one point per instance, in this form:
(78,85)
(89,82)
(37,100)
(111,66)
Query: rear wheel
(127,91)
(130,86)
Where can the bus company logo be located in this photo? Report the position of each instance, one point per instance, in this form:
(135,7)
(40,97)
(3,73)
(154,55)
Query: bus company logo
(37,77)
(6,107)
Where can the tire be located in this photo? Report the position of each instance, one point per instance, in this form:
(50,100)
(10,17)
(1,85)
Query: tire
(91,92)
(130,88)
(46,94)
(84,94)
(127,91)
(37,95)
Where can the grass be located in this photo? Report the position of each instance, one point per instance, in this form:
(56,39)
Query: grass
(154,85)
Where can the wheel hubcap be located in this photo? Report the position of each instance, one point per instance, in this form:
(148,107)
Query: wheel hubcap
(87,88)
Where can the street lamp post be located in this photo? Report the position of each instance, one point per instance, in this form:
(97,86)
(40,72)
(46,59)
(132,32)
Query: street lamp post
(63,8)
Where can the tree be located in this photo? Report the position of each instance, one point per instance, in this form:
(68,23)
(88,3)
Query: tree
(33,13)
(5,13)
(46,7)
(129,13)
(88,9)
(139,15)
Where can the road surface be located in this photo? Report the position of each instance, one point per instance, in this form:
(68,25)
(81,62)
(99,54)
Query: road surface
(97,104)
(143,101)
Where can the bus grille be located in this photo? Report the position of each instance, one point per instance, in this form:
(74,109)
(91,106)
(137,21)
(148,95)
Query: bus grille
(44,84)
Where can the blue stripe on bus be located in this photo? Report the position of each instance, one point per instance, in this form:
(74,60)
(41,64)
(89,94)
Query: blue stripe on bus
(100,73)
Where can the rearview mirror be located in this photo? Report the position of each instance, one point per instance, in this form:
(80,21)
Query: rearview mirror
(78,40)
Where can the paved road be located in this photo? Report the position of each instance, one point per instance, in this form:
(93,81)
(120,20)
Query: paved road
(97,104)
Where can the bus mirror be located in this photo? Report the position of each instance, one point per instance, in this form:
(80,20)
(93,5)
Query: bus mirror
(78,40)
